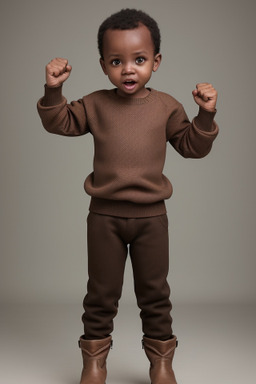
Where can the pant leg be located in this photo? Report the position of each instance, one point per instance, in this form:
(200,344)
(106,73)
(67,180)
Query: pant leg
(107,255)
(149,252)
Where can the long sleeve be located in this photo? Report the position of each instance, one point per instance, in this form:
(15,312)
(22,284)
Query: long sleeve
(59,117)
(130,137)
(191,140)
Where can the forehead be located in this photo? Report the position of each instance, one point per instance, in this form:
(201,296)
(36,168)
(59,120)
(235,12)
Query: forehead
(118,41)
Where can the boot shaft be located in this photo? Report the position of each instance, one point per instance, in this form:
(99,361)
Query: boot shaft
(160,354)
(94,353)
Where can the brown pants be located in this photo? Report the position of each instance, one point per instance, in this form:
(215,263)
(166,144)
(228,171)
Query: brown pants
(108,241)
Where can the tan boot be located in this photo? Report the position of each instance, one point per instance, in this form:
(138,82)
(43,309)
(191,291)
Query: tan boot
(94,354)
(160,354)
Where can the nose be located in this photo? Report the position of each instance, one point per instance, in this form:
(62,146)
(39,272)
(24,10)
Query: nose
(127,68)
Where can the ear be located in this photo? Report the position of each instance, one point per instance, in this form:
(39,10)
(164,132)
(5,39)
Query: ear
(157,61)
(102,63)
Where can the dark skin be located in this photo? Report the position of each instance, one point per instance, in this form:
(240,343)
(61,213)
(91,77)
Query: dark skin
(129,62)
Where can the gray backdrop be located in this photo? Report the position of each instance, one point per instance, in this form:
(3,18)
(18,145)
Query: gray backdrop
(43,205)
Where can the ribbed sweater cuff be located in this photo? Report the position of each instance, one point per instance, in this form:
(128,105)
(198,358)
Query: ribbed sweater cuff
(205,120)
(52,96)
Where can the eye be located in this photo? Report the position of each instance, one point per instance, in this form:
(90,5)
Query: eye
(115,62)
(140,60)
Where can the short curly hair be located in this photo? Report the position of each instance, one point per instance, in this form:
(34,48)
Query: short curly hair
(129,19)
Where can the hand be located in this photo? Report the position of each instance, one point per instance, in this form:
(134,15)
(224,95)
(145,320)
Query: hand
(205,96)
(57,71)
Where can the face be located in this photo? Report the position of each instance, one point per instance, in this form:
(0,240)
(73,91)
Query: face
(129,60)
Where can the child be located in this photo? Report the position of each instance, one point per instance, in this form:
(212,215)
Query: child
(131,125)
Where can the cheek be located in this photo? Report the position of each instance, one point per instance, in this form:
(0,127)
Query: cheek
(113,72)
(146,71)
(114,77)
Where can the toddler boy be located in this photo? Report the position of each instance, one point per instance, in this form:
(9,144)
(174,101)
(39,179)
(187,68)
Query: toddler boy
(131,125)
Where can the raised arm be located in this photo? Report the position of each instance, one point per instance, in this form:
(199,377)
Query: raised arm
(57,116)
(194,140)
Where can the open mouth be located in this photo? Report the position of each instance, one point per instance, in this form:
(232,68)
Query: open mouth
(129,84)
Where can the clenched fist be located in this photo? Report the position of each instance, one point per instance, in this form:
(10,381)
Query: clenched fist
(57,71)
(205,96)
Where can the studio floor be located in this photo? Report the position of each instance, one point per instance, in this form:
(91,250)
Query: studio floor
(38,344)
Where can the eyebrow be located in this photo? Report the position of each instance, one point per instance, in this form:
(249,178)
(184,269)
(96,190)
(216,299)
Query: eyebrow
(135,54)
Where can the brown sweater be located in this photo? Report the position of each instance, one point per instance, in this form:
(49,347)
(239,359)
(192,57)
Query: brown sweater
(130,137)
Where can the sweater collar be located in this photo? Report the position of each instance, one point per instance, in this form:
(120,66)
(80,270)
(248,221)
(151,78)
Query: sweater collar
(133,100)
